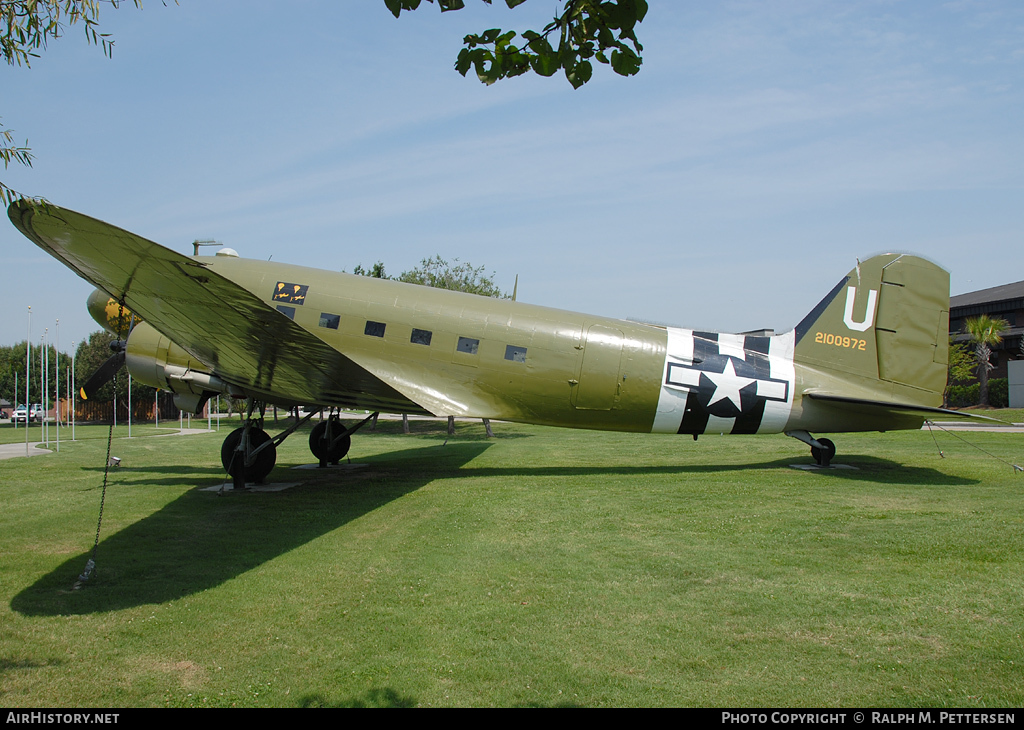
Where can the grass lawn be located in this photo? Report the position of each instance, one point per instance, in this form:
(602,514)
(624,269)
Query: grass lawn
(541,567)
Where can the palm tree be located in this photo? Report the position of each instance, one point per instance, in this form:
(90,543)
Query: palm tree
(985,332)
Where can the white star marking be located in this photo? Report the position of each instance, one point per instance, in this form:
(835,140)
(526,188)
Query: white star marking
(728,385)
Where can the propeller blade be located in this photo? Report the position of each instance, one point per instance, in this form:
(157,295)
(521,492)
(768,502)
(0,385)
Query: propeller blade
(103,375)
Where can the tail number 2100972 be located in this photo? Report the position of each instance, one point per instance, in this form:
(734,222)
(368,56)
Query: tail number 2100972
(852,343)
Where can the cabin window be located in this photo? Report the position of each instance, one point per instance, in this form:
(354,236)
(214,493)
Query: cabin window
(288,312)
(374,329)
(421,337)
(468,345)
(330,321)
(515,354)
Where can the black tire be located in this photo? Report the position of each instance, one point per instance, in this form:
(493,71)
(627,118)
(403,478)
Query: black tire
(321,447)
(233,460)
(824,456)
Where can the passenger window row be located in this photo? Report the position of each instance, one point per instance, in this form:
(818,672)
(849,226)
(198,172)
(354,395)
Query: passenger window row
(468,345)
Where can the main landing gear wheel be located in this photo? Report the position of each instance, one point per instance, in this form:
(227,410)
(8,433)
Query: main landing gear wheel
(326,442)
(823,456)
(261,462)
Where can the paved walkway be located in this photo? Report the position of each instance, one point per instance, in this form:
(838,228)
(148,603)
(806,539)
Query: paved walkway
(35,448)
(11,451)
(977,426)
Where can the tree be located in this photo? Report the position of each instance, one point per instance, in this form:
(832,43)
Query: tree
(984,331)
(376,271)
(12,370)
(961,367)
(586,29)
(90,355)
(455,276)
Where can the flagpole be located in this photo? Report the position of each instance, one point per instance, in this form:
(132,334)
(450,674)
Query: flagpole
(74,354)
(56,370)
(28,358)
(42,382)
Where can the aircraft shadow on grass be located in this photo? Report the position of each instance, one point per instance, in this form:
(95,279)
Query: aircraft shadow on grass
(866,469)
(388,697)
(200,540)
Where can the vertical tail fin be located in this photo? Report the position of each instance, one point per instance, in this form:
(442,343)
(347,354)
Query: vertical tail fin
(884,329)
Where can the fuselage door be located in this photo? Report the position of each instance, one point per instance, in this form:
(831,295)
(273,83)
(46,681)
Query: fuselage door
(598,387)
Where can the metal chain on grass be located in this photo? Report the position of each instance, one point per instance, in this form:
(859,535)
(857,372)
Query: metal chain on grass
(90,565)
(1016,467)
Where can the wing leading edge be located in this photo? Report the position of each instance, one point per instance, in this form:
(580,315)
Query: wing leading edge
(241,338)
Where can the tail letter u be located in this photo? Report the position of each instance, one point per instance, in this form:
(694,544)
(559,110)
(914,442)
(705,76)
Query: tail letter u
(869,313)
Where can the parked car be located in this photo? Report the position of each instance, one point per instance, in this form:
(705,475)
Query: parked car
(35,413)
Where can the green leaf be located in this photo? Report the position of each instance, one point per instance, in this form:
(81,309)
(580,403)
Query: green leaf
(539,45)
(544,64)
(464,61)
(625,62)
(504,39)
(579,74)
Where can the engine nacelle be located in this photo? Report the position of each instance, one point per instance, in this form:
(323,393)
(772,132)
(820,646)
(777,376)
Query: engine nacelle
(110,315)
(154,360)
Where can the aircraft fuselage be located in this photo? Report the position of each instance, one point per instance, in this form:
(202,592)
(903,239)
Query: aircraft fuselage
(537,364)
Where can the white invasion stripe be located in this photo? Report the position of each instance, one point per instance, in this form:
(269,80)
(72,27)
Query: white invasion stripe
(680,344)
(780,364)
(717,424)
(732,345)
(768,389)
(672,401)
(681,376)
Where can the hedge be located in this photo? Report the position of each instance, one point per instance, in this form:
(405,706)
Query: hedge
(961,396)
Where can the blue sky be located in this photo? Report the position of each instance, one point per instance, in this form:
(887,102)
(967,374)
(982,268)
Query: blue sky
(761,149)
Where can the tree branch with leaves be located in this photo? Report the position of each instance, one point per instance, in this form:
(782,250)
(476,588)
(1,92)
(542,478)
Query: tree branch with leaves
(584,30)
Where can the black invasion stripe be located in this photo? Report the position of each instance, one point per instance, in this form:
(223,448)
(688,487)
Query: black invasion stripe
(705,344)
(695,419)
(756,349)
(750,421)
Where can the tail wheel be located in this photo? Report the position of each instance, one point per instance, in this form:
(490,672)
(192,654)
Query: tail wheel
(234,460)
(324,441)
(824,455)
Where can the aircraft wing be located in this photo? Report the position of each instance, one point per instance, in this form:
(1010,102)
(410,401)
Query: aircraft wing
(241,338)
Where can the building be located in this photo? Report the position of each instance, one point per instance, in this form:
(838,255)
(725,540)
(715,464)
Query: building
(1005,302)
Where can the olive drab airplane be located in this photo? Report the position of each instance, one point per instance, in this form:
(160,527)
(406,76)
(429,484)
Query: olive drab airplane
(871,356)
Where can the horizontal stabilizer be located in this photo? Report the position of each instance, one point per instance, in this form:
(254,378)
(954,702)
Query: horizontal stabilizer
(904,408)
